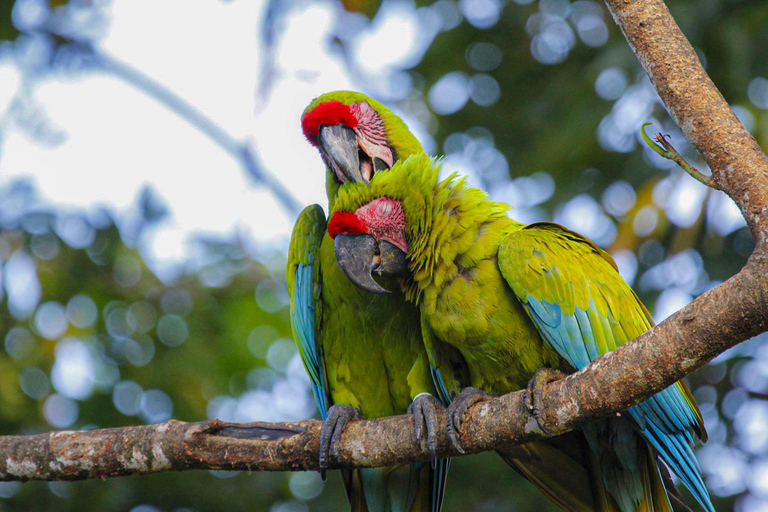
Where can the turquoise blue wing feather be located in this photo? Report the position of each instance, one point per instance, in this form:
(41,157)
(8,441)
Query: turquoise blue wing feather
(573,293)
(446,364)
(304,286)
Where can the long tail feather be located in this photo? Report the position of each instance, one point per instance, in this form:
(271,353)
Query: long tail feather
(353,484)
(562,473)
(406,488)
(439,479)
(656,492)
(678,454)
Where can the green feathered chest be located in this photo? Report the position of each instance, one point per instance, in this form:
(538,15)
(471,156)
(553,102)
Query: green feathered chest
(469,305)
(372,344)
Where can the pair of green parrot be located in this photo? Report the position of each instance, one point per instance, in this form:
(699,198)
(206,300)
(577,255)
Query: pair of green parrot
(465,302)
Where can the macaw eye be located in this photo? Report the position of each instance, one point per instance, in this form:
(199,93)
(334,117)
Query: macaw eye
(385,208)
(365,108)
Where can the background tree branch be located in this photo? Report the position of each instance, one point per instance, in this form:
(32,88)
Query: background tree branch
(739,167)
(714,322)
(240,150)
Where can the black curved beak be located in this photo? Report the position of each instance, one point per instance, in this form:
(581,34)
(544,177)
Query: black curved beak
(341,146)
(392,261)
(360,256)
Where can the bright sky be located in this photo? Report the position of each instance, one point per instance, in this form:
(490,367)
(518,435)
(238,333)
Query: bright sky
(118,139)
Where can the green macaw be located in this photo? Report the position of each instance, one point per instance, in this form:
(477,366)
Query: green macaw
(513,299)
(363,353)
(356,137)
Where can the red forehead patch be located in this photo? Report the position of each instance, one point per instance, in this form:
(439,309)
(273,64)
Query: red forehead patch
(345,223)
(328,113)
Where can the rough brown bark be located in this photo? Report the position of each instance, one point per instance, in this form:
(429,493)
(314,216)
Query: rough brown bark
(739,167)
(715,321)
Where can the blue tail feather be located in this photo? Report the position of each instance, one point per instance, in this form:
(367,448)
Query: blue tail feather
(677,453)
(438,484)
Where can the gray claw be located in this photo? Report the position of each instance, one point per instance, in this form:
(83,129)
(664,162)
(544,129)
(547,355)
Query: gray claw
(335,422)
(424,410)
(467,398)
(535,401)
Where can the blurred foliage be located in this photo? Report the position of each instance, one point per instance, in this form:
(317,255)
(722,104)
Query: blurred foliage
(539,102)
(367,7)
(7,30)
(130,349)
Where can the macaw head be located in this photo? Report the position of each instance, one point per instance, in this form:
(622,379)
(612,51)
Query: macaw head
(376,228)
(357,136)
(372,240)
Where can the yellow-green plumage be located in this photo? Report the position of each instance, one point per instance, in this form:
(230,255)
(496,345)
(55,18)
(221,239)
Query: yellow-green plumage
(452,249)
(370,372)
(360,349)
(513,298)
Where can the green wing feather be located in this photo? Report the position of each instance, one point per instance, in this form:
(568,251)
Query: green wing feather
(549,263)
(304,286)
(558,467)
(303,277)
(573,293)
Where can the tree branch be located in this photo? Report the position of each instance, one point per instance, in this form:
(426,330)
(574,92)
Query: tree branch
(739,167)
(611,383)
(717,320)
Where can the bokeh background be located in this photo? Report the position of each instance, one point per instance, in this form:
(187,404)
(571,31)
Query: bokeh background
(152,164)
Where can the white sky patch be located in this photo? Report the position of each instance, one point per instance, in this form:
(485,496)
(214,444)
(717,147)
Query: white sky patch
(118,139)
(211,59)
(458,162)
(304,45)
(684,205)
(72,373)
(164,246)
(391,40)
(669,301)
(749,423)
(584,215)
(626,260)
(723,214)
(9,82)
(21,284)
(449,94)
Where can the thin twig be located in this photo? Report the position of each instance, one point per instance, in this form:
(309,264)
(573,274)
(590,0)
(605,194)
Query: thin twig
(739,166)
(670,153)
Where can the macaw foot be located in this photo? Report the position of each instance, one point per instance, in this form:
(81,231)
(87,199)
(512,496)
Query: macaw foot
(424,409)
(458,409)
(335,422)
(534,400)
